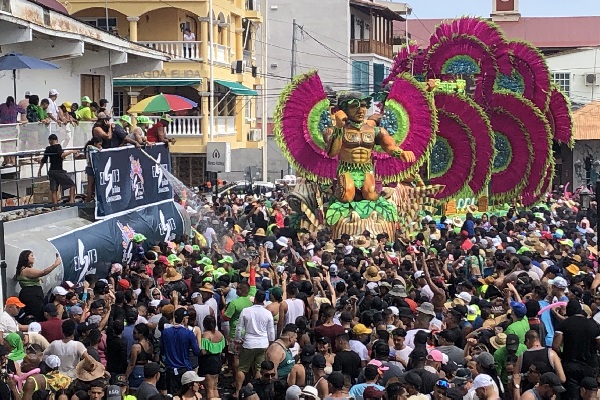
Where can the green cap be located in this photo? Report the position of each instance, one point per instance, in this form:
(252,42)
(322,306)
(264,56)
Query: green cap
(142,119)
(195,247)
(166,117)
(523,250)
(138,237)
(173,259)
(226,259)
(204,261)
(86,99)
(126,118)
(219,272)
(208,268)
(311,264)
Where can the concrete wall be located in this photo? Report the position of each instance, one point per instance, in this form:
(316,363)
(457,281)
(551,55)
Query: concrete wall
(328,21)
(240,160)
(578,65)
(276,162)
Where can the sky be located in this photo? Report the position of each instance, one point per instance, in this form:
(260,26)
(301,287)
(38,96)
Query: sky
(528,8)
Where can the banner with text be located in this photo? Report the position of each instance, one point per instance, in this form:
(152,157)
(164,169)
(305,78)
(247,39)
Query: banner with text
(93,248)
(126,178)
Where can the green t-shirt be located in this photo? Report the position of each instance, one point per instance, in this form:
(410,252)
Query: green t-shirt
(84,114)
(500,357)
(519,328)
(234,309)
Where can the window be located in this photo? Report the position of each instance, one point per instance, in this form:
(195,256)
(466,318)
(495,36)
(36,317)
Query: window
(378,76)
(101,22)
(360,76)
(563,81)
(118,105)
(248,110)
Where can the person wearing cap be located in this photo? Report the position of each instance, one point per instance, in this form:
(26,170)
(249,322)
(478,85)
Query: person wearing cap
(484,387)
(176,342)
(8,323)
(372,375)
(549,386)
(520,323)
(578,337)
(138,132)
(54,154)
(54,113)
(536,353)
(65,113)
(360,334)
(588,388)
(51,327)
(190,386)
(157,133)
(85,113)
(508,346)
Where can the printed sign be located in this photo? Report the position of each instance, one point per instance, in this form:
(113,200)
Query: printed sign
(126,178)
(91,248)
(218,157)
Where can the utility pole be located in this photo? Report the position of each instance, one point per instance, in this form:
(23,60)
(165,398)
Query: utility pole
(264,120)
(293,70)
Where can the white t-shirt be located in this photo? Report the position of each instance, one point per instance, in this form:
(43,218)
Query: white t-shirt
(208,235)
(69,353)
(410,337)
(426,290)
(403,354)
(52,108)
(7,324)
(360,349)
(191,37)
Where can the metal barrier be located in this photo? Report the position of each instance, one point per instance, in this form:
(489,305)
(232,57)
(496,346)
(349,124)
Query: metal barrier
(34,136)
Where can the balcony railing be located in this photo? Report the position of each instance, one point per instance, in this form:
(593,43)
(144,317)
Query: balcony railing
(368,46)
(221,53)
(224,126)
(183,126)
(178,50)
(34,136)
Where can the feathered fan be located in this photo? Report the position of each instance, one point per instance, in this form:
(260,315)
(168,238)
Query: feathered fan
(560,118)
(402,62)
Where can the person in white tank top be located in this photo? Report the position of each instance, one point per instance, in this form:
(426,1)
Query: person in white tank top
(291,308)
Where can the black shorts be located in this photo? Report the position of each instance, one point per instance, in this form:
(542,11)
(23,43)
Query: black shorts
(59,178)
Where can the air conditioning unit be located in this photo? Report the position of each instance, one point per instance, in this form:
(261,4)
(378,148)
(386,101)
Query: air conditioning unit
(255,135)
(238,66)
(591,80)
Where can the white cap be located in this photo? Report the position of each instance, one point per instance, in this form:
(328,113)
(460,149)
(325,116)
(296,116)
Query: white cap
(195,294)
(311,391)
(52,361)
(52,92)
(154,303)
(34,327)
(394,310)
(419,274)
(481,381)
(28,93)
(59,291)
(466,297)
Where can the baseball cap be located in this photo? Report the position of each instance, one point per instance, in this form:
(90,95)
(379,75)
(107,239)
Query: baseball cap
(511,250)
(310,391)
(52,361)
(435,355)
(461,376)
(124,283)
(512,341)
(551,379)
(75,310)
(361,329)
(482,380)
(28,93)
(51,310)
(559,282)
(34,327)
(485,359)
(180,313)
(151,369)
(419,274)
(324,339)
(518,308)
(293,393)
(113,392)
(464,296)
(336,379)
(189,377)
(121,380)
(308,352)
(589,383)
(59,291)
(318,361)
(379,365)
(52,92)
(14,301)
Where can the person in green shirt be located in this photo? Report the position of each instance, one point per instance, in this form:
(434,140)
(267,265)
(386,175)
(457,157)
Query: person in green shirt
(85,113)
(506,345)
(520,323)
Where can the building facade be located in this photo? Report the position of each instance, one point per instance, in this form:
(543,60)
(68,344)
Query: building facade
(182,30)
(349,42)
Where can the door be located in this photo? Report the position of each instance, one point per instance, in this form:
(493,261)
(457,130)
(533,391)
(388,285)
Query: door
(92,86)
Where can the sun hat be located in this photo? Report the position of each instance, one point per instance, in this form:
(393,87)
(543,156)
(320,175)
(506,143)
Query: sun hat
(372,274)
(260,232)
(398,291)
(498,341)
(171,275)
(166,117)
(310,391)
(208,288)
(573,269)
(126,118)
(173,259)
(142,119)
(204,261)
(426,308)
(89,369)
(189,377)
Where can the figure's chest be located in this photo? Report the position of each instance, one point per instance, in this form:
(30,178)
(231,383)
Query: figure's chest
(355,137)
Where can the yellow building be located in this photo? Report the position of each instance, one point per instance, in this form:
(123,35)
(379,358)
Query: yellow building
(161,25)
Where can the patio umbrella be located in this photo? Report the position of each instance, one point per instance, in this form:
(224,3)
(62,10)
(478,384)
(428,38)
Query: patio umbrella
(14,61)
(162,103)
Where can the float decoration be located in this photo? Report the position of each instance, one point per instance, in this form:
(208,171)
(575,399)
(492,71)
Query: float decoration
(560,117)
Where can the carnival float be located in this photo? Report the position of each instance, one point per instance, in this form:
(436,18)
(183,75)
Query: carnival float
(474,115)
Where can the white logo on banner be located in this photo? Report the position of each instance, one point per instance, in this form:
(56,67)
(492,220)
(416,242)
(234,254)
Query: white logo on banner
(84,259)
(166,227)
(110,178)
(158,172)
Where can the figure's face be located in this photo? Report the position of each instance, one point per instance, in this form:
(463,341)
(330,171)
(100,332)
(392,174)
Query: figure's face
(357,112)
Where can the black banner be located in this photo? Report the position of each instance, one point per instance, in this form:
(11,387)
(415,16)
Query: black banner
(126,178)
(102,243)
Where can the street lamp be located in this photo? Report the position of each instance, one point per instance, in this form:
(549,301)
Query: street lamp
(584,198)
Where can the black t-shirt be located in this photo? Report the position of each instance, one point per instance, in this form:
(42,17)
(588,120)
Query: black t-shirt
(54,154)
(348,363)
(5,392)
(579,340)
(118,136)
(264,390)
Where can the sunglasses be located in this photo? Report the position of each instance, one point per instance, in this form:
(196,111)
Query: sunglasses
(269,375)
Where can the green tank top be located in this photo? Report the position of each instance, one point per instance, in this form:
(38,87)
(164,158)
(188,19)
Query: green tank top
(285,367)
(28,282)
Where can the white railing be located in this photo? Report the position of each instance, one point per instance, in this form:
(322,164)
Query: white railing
(224,126)
(183,126)
(34,136)
(178,50)
(221,53)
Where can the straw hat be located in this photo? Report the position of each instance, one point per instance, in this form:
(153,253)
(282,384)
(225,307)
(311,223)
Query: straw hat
(361,241)
(329,248)
(372,274)
(171,275)
(260,232)
(498,341)
(208,288)
(89,369)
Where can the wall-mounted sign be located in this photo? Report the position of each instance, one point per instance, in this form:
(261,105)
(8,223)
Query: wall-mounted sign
(218,157)
(170,74)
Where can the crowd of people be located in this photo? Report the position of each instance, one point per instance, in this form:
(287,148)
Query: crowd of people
(498,306)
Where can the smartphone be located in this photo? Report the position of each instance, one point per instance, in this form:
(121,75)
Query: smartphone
(57,255)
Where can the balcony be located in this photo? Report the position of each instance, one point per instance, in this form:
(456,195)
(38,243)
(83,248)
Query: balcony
(253,10)
(177,50)
(34,136)
(183,126)
(368,46)
(249,60)
(222,54)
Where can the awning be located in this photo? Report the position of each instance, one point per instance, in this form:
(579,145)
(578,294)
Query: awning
(237,88)
(124,82)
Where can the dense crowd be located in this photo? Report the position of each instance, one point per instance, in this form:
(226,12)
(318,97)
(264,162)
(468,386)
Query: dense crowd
(499,306)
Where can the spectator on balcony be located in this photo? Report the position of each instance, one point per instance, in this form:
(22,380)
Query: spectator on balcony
(188,36)
(73,111)
(85,112)
(35,112)
(138,133)
(9,111)
(23,104)
(56,174)
(53,111)
(124,122)
(66,116)
(104,107)
(157,133)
